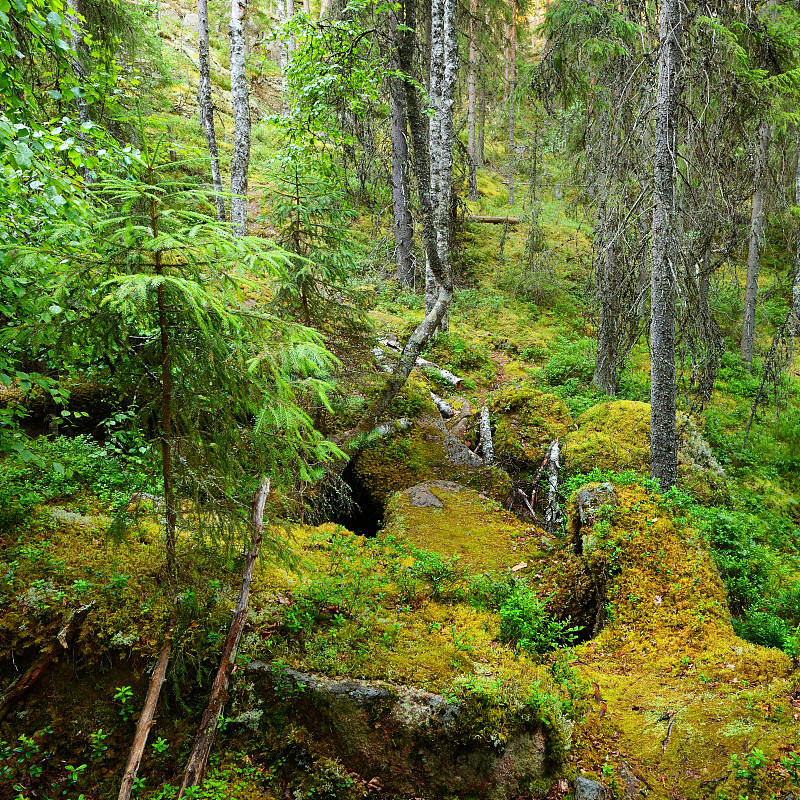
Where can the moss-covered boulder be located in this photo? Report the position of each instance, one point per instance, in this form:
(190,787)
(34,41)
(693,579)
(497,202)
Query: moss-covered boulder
(525,422)
(613,435)
(411,742)
(453,520)
(425,452)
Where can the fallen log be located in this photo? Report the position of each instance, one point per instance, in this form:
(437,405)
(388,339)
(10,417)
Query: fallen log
(494,220)
(26,681)
(380,357)
(487,447)
(445,409)
(207,730)
(146,720)
(553,517)
(424,363)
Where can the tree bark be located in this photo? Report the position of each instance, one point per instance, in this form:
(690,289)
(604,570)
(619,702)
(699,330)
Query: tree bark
(754,249)
(207,730)
(401,182)
(29,679)
(471,99)
(480,155)
(487,447)
(148,713)
(325,7)
(663,435)
(240,162)
(512,86)
(206,105)
(552,516)
(796,287)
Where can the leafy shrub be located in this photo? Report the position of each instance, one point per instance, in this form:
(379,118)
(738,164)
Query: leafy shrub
(524,622)
(571,360)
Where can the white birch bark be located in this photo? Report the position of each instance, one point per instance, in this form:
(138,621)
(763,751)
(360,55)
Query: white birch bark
(663,435)
(240,161)
(754,248)
(206,105)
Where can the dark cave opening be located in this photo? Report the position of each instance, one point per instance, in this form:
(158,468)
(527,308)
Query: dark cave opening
(363,514)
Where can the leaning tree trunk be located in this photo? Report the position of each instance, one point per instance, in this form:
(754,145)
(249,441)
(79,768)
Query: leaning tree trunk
(207,730)
(206,104)
(401,182)
(471,99)
(796,287)
(663,435)
(754,249)
(240,161)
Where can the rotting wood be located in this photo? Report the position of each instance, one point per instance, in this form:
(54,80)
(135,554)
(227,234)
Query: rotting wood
(146,720)
(423,363)
(494,220)
(26,681)
(527,504)
(445,409)
(552,517)
(207,730)
(487,447)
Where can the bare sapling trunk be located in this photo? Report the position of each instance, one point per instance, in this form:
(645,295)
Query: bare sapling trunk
(487,447)
(663,434)
(27,680)
(240,97)
(472,99)
(754,248)
(796,286)
(207,730)
(512,87)
(401,181)
(147,717)
(206,104)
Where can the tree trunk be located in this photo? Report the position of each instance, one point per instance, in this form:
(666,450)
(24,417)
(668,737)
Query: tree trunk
(480,133)
(401,182)
(512,86)
(306,7)
(146,719)
(796,287)
(471,99)
(240,161)
(325,7)
(754,249)
(207,730)
(29,679)
(663,438)
(206,104)
(485,428)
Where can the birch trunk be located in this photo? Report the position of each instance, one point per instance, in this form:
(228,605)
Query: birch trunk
(471,99)
(754,249)
(663,438)
(324,8)
(240,161)
(796,287)
(401,182)
(206,104)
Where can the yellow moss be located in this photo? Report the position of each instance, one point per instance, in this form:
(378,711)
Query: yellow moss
(468,525)
(526,422)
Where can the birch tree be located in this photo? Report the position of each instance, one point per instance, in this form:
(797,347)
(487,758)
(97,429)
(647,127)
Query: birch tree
(240,161)
(206,105)
(472,99)
(796,286)
(663,435)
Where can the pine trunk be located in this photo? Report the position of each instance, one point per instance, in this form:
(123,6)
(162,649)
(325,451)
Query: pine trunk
(663,436)
(754,249)
(240,161)
(401,182)
(206,104)
(472,99)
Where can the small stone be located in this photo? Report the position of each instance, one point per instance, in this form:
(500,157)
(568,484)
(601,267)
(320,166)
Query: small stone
(586,789)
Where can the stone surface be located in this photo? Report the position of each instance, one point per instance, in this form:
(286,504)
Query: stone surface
(586,789)
(418,744)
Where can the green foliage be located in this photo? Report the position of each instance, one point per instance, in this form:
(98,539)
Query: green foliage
(124,696)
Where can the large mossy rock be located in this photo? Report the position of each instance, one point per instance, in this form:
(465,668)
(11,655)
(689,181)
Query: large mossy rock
(453,520)
(425,452)
(615,436)
(412,742)
(525,422)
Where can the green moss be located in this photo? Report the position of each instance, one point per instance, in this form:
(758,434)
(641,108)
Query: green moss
(526,422)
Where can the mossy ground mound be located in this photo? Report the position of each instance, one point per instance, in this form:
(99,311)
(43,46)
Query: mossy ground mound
(419,455)
(677,692)
(525,423)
